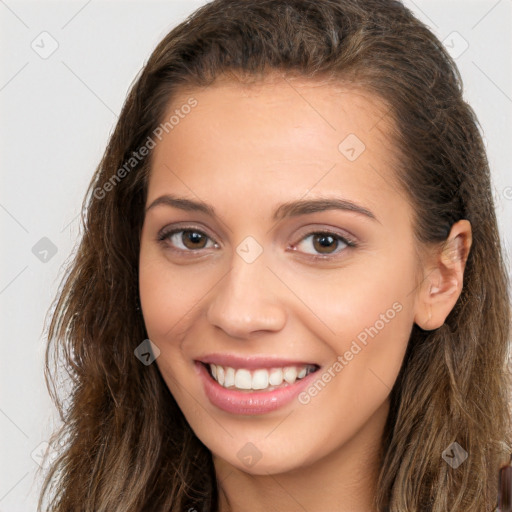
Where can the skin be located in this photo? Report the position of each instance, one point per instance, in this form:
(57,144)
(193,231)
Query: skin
(244,150)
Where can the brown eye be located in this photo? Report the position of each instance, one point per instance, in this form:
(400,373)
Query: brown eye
(193,239)
(321,243)
(324,243)
(186,240)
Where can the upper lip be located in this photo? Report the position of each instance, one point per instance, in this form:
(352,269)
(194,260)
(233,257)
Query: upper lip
(252,362)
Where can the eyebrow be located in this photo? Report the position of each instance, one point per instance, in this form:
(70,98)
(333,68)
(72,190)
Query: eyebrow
(289,209)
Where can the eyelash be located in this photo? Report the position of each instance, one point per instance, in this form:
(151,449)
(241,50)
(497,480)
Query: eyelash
(165,234)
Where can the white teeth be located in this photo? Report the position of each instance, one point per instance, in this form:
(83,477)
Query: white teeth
(243,379)
(258,379)
(229,377)
(220,375)
(290,374)
(276,377)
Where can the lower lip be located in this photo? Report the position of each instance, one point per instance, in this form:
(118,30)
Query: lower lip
(255,402)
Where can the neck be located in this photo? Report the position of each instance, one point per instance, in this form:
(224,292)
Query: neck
(343,481)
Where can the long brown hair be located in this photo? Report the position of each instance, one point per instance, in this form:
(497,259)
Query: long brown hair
(126,444)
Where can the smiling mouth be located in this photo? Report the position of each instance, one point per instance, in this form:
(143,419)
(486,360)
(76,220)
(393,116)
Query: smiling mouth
(264,379)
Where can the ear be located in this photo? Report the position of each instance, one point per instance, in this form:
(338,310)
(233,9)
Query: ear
(443,277)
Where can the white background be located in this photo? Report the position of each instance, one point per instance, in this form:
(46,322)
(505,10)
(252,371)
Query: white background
(56,114)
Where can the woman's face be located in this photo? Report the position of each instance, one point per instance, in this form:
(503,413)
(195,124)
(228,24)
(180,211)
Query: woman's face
(283,246)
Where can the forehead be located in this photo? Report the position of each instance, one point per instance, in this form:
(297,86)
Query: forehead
(337,105)
(280,134)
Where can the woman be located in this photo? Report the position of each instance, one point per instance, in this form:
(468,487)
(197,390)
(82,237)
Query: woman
(290,291)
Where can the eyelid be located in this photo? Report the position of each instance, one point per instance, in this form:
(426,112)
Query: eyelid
(341,233)
(176,226)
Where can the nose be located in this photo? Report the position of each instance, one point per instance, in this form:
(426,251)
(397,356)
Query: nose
(247,300)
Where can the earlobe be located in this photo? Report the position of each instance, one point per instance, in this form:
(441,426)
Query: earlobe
(443,278)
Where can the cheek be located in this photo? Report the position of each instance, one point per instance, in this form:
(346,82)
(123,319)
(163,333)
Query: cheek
(365,316)
(371,331)
(157,297)
(170,295)
(363,301)
(169,298)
